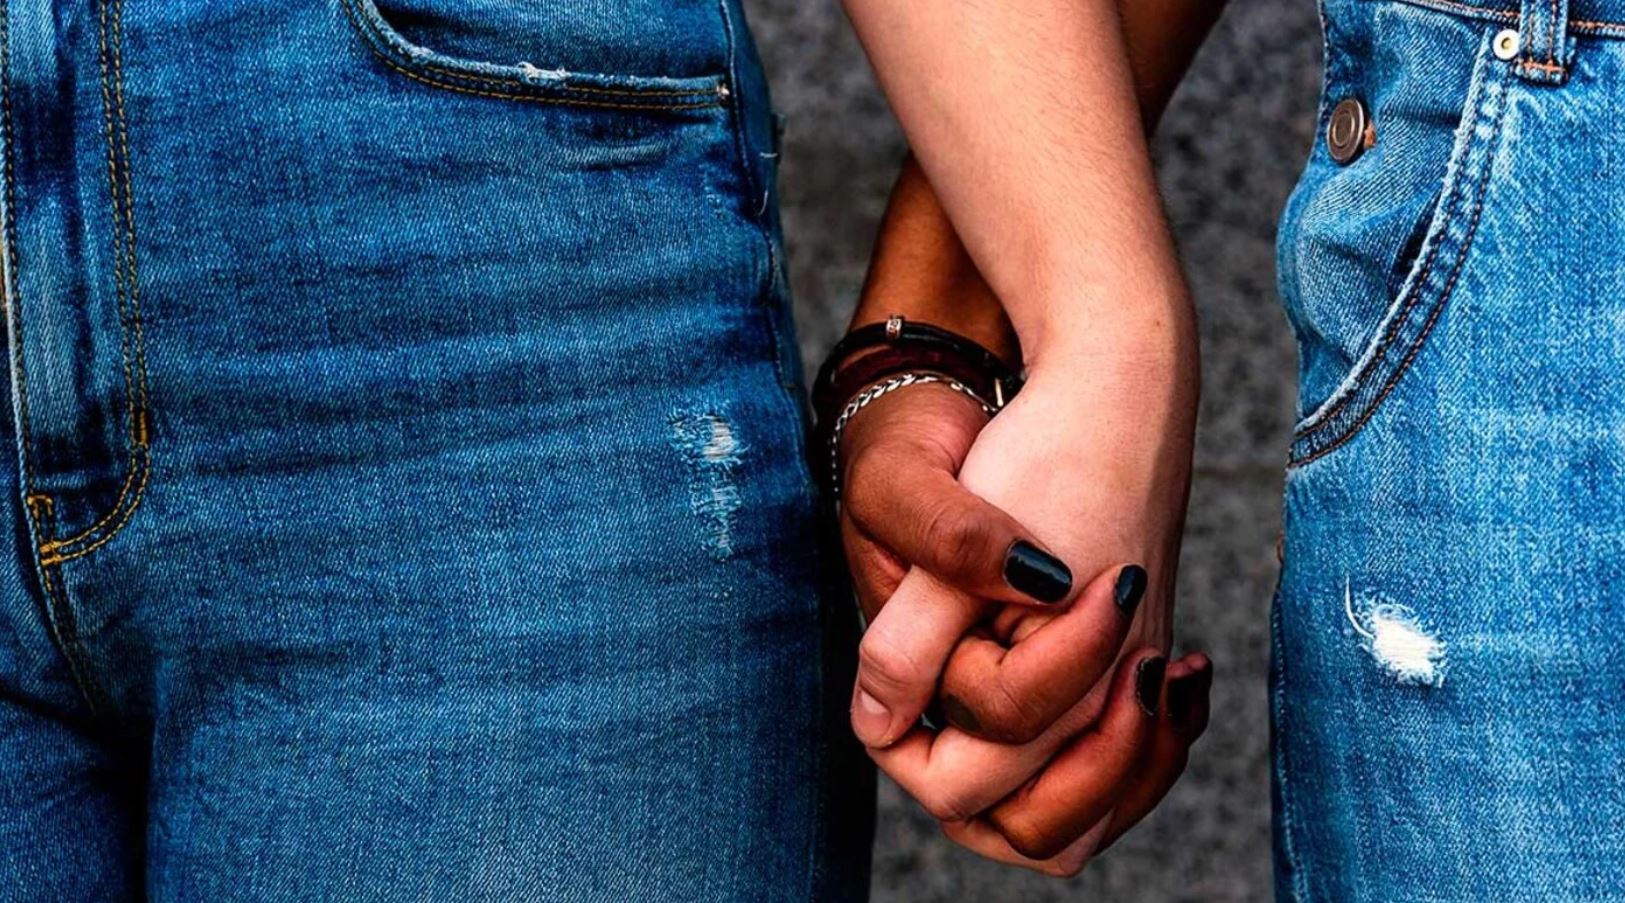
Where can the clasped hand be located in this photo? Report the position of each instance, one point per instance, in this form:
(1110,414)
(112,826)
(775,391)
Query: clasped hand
(1059,723)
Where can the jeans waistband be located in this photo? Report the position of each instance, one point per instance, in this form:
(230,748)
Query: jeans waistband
(1598,18)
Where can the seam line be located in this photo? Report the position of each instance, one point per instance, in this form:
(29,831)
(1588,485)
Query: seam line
(449,81)
(1439,305)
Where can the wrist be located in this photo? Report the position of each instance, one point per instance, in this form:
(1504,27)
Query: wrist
(983,323)
(1138,328)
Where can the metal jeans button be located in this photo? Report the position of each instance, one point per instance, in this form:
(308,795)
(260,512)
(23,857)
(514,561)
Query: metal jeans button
(1507,44)
(1350,131)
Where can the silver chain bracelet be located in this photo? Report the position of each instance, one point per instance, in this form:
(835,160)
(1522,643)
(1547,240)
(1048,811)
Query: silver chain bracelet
(874,393)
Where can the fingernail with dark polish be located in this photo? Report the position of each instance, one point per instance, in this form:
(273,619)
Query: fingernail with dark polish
(1131,582)
(1148,683)
(1037,573)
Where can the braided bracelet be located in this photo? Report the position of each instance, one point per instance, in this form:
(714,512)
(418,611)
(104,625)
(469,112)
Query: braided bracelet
(877,391)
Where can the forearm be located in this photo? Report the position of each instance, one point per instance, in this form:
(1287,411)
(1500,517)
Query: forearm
(1039,160)
(921,269)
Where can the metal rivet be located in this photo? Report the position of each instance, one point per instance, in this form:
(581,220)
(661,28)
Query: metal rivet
(1350,131)
(1507,44)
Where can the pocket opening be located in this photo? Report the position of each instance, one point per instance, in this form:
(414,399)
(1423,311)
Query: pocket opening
(523,81)
(1427,269)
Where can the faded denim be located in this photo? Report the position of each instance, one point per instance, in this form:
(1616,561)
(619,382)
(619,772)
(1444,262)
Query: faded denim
(408,500)
(1449,682)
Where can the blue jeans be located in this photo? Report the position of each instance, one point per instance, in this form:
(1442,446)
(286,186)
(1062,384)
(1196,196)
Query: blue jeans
(408,499)
(1449,681)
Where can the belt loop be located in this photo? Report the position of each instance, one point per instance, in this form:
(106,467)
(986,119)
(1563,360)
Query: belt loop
(1547,50)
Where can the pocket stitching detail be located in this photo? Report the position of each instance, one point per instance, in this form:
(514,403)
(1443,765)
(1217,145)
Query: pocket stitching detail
(516,87)
(1334,411)
(1482,112)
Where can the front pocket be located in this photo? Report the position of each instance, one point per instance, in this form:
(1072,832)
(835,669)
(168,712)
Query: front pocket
(523,81)
(1431,268)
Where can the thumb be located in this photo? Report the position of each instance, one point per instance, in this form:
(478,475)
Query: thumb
(903,652)
(912,505)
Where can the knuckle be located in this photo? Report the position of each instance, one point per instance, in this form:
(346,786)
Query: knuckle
(1009,717)
(1030,838)
(887,665)
(961,536)
(948,805)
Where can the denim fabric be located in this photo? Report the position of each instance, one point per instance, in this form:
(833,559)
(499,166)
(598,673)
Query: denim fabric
(408,500)
(1449,685)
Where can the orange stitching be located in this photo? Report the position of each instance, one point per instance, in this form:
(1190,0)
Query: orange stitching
(1595,25)
(1551,33)
(1544,67)
(136,478)
(1507,15)
(359,19)
(126,287)
(1438,307)
(129,511)
(64,627)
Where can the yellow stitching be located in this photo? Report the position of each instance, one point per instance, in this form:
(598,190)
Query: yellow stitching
(106,537)
(533,98)
(377,32)
(126,280)
(118,507)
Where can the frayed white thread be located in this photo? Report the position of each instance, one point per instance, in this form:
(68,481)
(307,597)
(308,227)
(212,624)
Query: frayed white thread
(721,447)
(713,449)
(536,74)
(1395,638)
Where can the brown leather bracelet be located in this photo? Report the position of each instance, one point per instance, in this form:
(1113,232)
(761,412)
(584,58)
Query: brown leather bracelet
(974,365)
(876,353)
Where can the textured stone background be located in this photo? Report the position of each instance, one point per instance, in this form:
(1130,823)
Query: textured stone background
(1229,151)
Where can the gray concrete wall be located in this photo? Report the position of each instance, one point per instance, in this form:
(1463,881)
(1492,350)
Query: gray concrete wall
(1228,151)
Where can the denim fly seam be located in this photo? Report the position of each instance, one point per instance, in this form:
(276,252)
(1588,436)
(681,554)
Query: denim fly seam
(51,551)
(128,292)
